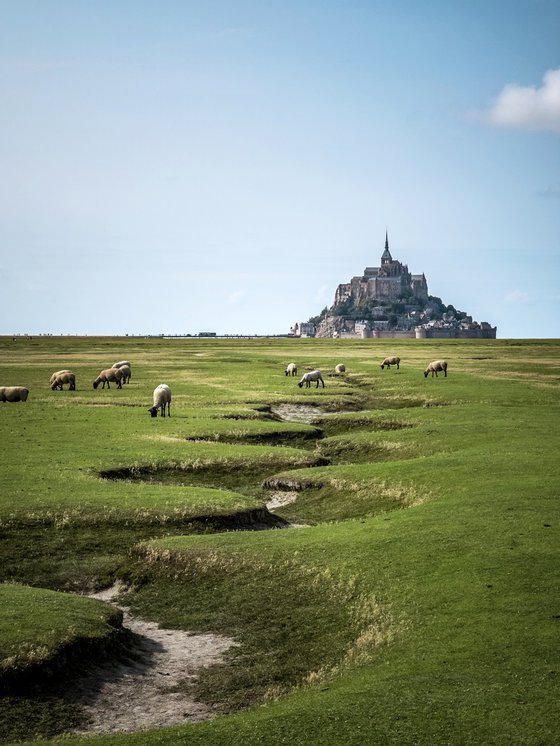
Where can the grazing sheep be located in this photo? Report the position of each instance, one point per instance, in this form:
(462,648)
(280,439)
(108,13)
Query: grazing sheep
(121,363)
(162,396)
(314,375)
(391,361)
(291,369)
(13,393)
(111,374)
(434,366)
(126,373)
(61,377)
(340,368)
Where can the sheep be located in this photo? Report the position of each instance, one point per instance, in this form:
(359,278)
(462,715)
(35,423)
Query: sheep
(126,373)
(61,377)
(13,393)
(434,366)
(314,375)
(291,369)
(121,363)
(111,374)
(391,361)
(340,368)
(162,396)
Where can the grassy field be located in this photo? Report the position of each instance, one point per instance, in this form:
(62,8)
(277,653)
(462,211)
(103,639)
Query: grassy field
(416,602)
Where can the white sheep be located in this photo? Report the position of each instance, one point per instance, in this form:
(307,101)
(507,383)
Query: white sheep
(111,374)
(121,363)
(434,366)
(61,377)
(126,373)
(314,375)
(13,393)
(340,368)
(291,369)
(391,361)
(162,396)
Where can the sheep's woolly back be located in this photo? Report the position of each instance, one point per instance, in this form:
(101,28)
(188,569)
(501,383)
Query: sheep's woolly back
(435,366)
(121,363)
(162,394)
(110,374)
(13,393)
(58,374)
(340,368)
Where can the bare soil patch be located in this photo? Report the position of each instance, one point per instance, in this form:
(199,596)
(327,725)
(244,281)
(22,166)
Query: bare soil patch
(141,693)
(305,413)
(279,499)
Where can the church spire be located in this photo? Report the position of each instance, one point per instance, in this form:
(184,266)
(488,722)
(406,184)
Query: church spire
(386,257)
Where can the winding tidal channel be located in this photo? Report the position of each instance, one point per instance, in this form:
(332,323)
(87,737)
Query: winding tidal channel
(141,692)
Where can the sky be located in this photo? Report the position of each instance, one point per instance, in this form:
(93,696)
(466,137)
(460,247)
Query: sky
(174,167)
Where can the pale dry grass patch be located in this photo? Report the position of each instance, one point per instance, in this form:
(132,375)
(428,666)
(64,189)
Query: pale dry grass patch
(405,495)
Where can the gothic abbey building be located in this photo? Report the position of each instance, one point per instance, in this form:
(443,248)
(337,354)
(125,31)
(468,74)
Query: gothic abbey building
(390,281)
(389,301)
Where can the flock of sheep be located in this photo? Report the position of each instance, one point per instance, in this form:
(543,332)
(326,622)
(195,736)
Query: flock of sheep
(121,372)
(434,367)
(315,375)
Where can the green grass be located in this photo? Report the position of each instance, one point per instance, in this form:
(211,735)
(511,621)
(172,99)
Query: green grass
(419,605)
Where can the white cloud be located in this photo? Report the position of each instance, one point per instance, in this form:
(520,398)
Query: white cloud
(236,296)
(527,107)
(516,296)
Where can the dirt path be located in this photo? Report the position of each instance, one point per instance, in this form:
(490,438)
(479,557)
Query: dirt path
(136,695)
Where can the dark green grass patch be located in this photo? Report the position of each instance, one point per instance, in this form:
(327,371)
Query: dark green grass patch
(43,637)
(29,639)
(235,474)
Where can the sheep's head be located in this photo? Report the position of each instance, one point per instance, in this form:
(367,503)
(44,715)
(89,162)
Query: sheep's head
(426,373)
(153,411)
(300,384)
(95,383)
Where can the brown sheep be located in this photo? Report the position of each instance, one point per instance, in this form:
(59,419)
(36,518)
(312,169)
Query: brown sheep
(391,361)
(111,374)
(13,393)
(61,377)
(434,366)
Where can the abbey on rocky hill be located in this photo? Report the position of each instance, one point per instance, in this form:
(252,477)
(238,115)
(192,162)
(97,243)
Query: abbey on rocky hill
(389,301)
(390,281)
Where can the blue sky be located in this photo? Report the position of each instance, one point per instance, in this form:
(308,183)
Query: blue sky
(176,167)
